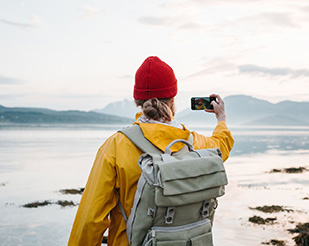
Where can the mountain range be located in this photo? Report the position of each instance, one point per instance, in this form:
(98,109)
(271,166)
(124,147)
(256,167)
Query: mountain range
(48,116)
(123,108)
(240,110)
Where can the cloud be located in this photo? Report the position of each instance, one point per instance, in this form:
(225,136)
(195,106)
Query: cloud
(17,24)
(267,21)
(34,21)
(10,81)
(217,65)
(305,9)
(180,15)
(154,21)
(89,12)
(280,19)
(276,72)
(194,26)
(255,24)
(229,2)
(78,96)
(222,66)
(223,1)
(180,22)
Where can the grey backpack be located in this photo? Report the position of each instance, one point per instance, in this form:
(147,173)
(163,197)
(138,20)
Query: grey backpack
(176,194)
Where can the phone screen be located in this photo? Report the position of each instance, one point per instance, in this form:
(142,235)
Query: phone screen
(202,103)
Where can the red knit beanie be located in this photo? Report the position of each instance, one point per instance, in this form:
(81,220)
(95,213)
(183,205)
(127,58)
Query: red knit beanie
(154,78)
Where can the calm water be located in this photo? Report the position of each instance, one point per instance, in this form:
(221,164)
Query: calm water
(36,162)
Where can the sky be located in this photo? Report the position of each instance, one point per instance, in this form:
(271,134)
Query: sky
(77,54)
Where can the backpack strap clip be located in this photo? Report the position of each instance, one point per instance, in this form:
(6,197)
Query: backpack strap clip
(151,212)
(205,209)
(169,217)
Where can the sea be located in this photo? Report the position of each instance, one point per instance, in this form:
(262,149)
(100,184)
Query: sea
(37,161)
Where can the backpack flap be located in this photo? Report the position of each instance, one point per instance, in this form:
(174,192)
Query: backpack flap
(189,179)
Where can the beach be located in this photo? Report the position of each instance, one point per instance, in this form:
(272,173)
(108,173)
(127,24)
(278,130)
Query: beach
(257,187)
(37,163)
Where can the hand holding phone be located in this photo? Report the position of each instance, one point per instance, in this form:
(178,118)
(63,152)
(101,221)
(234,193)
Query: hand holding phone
(211,104)
(219,109)
(202,103)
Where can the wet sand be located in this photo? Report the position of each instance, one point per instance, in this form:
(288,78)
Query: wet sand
(261,206)
(256,187)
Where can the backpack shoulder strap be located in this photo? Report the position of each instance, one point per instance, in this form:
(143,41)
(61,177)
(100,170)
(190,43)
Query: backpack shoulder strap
(136,136)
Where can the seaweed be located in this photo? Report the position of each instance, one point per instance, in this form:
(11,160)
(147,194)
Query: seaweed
(65,203)
(289,170)
(275,242)
(37,204)
(72,191)
(45,203)
(295,169)
(272,209)
(260,221)
(276,171)
(303,234)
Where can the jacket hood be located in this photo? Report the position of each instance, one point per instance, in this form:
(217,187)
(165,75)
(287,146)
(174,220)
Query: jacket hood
(162,135)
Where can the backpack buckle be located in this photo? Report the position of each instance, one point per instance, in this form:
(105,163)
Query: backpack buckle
(169,217)
(151,212)
(205,209)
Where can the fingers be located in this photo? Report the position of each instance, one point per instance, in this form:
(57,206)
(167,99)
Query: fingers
(214,103)
(218,105)
(209,110)
(218,108)
(219,99)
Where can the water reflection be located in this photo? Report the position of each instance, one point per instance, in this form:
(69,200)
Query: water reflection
(255,144)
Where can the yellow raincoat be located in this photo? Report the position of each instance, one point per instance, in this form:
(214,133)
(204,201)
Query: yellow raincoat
(114,176)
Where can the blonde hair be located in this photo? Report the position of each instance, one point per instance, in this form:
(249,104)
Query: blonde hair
(157,109)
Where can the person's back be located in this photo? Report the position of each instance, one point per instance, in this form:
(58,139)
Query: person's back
(115,172)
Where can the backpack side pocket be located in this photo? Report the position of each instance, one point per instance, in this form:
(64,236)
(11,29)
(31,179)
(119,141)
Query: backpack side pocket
(195,234)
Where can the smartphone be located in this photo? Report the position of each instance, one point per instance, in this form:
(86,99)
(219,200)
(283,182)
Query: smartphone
(202,103)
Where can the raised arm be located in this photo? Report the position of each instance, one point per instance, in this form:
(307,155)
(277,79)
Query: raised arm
(221,137)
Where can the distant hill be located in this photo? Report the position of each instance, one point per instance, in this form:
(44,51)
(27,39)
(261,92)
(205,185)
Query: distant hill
(123,108)
(247,110)
(48,116)
(240,109)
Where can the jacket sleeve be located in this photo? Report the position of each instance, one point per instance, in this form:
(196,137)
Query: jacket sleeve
(98,199)
(221,138)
